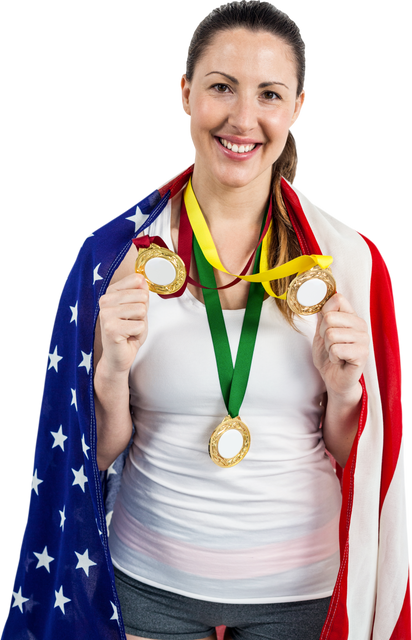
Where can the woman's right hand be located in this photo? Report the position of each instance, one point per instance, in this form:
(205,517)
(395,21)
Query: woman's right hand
(123,322)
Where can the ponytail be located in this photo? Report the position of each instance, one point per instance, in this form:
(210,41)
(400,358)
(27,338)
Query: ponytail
(284,245)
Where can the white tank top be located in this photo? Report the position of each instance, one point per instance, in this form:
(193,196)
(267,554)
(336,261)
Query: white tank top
(265,530)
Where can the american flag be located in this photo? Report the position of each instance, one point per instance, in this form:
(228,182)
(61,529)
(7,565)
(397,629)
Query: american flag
(64,586)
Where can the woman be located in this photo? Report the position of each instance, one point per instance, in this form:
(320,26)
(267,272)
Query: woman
(243,90)
(196,545)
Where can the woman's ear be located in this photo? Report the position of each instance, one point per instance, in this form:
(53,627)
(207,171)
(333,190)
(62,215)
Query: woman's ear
(298,106)
(184,91)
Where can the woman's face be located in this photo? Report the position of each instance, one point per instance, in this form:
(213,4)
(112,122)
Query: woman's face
(242,95)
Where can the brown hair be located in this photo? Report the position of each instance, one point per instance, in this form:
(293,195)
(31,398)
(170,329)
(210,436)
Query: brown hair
(262,16)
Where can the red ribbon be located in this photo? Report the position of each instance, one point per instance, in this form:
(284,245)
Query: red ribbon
(184,249)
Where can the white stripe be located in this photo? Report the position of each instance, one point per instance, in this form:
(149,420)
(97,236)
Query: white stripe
(393,557)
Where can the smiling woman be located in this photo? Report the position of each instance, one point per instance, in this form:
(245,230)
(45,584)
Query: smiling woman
(247,448)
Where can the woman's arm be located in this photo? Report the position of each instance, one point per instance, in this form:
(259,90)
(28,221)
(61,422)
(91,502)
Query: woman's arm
(340,423)
(120,332)
(113,421)
(340,351)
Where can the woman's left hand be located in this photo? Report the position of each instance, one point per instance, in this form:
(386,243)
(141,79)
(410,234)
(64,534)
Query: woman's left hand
(341,346)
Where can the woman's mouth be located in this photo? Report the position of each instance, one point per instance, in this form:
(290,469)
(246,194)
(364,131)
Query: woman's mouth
(237,151)
(242,148)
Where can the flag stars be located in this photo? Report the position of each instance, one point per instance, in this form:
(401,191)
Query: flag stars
(54,359)
(86,362)
(115,615)
(19,600)
(136,219)
(74,398)
(35,482)
(84,562)
(62,517)
(61,600)
(85,447)
(74,311)
(44,559)
(96,275)
(59,438)
(79,478)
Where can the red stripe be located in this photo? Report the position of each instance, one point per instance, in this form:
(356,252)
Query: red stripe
(385,342)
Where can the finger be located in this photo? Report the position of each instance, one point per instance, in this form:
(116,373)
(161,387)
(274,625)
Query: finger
(334,336)
(131,329)
(339,319)
(337,303)
(133,312)
(121,330)
(132,281)
(124,312)
(352,354)
(117,298)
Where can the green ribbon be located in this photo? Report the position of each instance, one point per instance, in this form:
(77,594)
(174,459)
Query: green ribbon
(233,380)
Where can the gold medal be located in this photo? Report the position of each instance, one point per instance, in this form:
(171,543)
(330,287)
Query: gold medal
(229,442)
(164,270)
(309,291)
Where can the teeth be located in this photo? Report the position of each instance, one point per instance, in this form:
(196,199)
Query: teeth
(243,148)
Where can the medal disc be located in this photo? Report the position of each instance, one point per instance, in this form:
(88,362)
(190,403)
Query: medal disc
(229,442)
(160,271)
(164,270)
(309,291)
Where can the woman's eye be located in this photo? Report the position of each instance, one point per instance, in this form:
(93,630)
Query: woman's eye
(271,95)
(221,88)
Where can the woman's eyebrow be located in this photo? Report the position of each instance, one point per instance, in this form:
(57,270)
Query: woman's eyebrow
(262,85)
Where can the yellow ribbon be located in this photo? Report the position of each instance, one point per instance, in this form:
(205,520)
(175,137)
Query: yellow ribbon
(265,275)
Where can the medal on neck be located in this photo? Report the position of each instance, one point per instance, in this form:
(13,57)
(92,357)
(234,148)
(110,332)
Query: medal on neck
(312,287)
(167,273)
(230,441)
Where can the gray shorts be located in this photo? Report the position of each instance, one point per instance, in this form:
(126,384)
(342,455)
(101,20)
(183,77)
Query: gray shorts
(155,613)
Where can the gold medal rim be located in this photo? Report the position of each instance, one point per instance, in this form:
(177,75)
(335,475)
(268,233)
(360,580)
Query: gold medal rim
(315,272)
(154,251)
(227,424)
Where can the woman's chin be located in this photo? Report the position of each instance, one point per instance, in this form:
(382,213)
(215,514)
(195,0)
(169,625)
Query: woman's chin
(238,178)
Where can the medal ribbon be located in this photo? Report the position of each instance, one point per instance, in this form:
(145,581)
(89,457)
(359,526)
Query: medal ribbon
(201,231)
(233,380)
(184,249)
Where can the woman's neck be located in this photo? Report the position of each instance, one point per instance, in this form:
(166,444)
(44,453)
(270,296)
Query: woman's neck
(222,204)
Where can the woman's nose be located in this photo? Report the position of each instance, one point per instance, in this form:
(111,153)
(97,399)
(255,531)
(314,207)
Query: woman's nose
(243,114)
